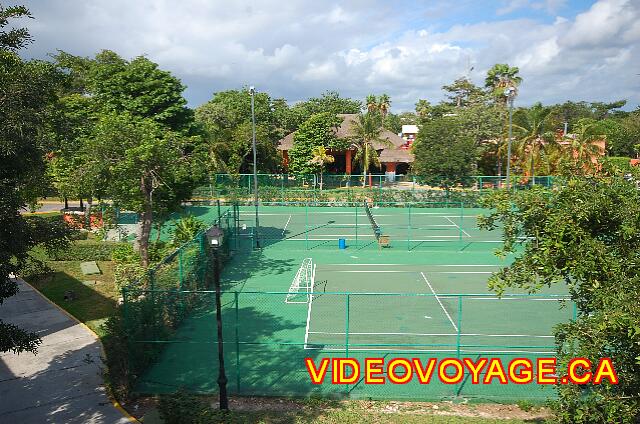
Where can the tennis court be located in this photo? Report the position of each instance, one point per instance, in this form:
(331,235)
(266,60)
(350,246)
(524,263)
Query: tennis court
(409,226)
(302,296)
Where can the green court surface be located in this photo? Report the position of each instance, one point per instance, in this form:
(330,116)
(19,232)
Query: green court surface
(425,296)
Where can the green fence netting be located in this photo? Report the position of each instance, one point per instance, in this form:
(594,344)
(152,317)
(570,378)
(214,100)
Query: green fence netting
(391,311)
(356,188)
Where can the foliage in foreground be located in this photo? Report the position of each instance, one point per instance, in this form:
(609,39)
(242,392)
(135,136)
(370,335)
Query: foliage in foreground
(585,235)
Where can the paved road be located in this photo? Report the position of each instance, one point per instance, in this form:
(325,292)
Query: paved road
(62,383)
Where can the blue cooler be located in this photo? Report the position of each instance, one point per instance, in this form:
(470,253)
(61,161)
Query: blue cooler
(342,244)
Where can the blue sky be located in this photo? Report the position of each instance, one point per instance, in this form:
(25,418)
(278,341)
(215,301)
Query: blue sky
(566,50)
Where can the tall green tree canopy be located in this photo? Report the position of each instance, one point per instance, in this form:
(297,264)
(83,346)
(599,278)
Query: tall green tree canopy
(329,101)
(123,131)
(500,77)
(138,87)
(145,167)
(444,153)
(319,130)
(226,119)
(585,236)
(27,97)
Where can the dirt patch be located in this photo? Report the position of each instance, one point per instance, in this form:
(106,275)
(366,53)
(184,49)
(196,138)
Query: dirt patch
(142,406)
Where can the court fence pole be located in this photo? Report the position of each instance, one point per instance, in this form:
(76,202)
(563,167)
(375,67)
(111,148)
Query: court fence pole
(409,228)
(356,204)
(237,331)
(306,225)
(180,269)
(459,330)
(461,220)
(346,332)
(458,341)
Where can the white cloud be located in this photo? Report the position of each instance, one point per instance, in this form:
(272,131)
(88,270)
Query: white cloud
(357,47)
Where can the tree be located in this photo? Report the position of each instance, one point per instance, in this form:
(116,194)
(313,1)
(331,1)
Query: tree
(364,133)
(319,159)
(137,87)
(104,85)
(500,77)
(319,130)
(584,235)
(27,97)
(462,92)
(583,144)
(444,153)
(532,135)
(423,109)
(146,167)
(329,101)
(372,103)
(226,119)
(384,104)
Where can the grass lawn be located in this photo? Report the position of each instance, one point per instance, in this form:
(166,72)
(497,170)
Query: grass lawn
(311,410)
(96,295)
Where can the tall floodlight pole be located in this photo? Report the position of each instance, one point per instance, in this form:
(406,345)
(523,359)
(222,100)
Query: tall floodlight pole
(510,93)
(252,91)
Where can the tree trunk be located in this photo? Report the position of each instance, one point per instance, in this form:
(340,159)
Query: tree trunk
(147,221)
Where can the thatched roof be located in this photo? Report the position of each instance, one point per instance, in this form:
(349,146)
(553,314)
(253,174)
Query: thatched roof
(388,154)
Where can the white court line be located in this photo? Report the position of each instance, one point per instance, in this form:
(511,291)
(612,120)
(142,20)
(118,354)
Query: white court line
(460,228)
(433,272)
(413,265)
(433,334)
(438,299)
(359,214)
(551,299)
(286,225)
(306,331)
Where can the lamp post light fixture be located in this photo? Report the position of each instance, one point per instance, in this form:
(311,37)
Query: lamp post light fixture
(215,238)
(252,92)
(510,94)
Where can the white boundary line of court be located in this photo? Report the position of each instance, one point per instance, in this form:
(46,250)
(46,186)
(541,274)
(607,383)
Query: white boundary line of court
(284,230)
(431,334)
(438,299)
(313,281)
(440,214)
(466,265)
(398,271)
(457,226)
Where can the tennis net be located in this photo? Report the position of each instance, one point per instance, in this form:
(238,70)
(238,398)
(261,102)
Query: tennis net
(374,225)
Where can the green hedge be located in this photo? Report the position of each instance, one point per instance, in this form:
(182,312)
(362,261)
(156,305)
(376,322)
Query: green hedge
(86,250)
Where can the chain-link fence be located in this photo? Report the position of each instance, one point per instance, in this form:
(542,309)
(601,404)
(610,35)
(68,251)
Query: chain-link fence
(354,188)
(266,341)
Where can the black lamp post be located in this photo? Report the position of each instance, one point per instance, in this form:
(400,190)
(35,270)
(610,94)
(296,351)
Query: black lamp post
(215,237)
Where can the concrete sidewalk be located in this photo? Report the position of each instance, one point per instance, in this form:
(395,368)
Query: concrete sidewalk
(62,383)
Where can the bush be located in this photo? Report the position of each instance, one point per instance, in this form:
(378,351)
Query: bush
(183,408)
(86,250)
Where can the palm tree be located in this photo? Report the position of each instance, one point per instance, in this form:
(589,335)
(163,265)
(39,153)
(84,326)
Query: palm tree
(364,133)
(372,103)
(320,157)
(532,135)
(384,103)
(502,76)
(584,144)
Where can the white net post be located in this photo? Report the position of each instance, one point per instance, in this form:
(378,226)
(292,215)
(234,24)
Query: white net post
(301,287)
